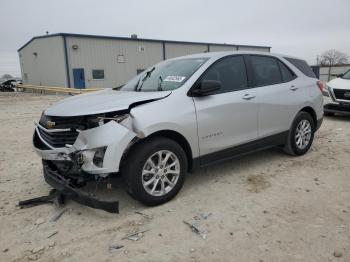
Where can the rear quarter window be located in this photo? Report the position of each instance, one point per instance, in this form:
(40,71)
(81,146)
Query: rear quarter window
(302,66)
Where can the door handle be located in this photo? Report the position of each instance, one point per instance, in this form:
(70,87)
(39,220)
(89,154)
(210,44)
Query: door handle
(248,96)
(294,88)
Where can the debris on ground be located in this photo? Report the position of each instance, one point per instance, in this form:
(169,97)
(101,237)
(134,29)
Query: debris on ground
(195,224)
(52,234)
(52,244)
(202,216)
(54,197)
(57,215)
(38,249)
(39,221)
(144,215)
(5,250)
(196,230)
(337,253)
(114,248)
(136,235)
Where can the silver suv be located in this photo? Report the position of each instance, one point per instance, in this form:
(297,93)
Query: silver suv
(180,114)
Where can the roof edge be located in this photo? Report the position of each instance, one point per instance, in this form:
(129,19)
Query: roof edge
(135,39)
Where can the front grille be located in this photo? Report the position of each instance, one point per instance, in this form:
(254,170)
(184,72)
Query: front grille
(76,122)
(59,139)
(63,138)
(342,94)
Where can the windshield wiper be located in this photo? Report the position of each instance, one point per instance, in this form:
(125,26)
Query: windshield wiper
(160,83)
(148,74)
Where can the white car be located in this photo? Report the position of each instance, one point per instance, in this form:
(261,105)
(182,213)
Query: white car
(180,114)
(337,95)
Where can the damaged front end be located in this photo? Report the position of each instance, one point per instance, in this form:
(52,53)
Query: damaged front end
(79,149)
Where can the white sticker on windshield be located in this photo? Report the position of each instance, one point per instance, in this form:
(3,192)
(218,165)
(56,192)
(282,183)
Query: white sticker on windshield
(177,79)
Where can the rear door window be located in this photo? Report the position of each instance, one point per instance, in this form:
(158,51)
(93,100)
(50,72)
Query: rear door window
(266,70)
(302,66)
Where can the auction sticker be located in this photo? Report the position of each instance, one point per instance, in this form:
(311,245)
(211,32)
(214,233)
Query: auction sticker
(177,79)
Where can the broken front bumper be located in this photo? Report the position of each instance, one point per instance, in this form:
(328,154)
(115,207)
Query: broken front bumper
(68,187)
(111,138)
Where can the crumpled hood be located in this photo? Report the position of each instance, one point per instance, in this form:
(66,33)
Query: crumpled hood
(339,83)
(103,101)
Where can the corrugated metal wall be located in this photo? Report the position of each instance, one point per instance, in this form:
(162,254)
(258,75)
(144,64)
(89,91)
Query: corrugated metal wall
(47,67)
(120,59)
(221,48)
(176,49)
(249,48)
(103,54)
(327,75)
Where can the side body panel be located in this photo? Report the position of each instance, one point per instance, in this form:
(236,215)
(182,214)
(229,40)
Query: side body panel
(278,105)
(225,120)
(176,113)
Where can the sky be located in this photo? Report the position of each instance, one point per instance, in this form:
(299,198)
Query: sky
(303,28)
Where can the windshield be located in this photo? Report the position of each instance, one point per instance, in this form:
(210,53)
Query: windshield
(168,75)
(346,75)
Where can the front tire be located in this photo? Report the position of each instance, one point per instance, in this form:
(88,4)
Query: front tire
(155,170)
(300,135)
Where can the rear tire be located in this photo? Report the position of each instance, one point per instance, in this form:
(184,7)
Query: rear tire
(155,170)
(300,135)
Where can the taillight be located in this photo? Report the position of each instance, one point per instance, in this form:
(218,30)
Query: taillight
(320,85)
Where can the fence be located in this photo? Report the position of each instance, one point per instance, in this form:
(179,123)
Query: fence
(54,89)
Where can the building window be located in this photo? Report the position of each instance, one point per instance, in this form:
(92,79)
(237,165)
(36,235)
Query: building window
(120,59)
(98,74)
(139,71)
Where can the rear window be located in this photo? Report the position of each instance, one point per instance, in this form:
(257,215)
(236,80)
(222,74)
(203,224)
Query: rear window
(302,66)
(266,70)
(287,74)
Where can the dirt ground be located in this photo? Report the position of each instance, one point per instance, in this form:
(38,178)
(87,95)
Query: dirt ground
(263,207)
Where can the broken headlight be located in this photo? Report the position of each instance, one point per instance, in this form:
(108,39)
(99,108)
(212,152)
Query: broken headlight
(98,120)
(116,118)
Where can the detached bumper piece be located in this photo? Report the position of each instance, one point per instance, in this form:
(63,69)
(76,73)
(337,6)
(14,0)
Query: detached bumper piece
(53,198)
(337,109)
(68,189)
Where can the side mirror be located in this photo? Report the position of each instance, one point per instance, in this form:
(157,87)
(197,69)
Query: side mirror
(207,87)
(340,75)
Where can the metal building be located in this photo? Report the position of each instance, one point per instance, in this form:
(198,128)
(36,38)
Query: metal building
(90,61)
(326,73)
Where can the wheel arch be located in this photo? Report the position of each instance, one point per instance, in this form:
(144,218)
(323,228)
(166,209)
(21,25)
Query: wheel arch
(312,112)
(171,134)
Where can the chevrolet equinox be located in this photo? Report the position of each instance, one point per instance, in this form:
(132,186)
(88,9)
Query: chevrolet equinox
(180,114)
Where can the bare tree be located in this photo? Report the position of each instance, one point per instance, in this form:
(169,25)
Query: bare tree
(334,57)
(331,58)
(6,76)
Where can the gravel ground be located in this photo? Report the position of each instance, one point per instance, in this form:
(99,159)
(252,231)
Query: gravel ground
(263,207)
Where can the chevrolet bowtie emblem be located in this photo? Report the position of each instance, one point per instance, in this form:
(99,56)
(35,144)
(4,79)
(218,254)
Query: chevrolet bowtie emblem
(50,124)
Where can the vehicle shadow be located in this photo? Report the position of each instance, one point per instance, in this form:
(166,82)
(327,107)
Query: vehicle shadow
(338,118)
(199,180)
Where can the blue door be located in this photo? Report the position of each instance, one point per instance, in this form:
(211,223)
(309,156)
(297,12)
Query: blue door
(79,78)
